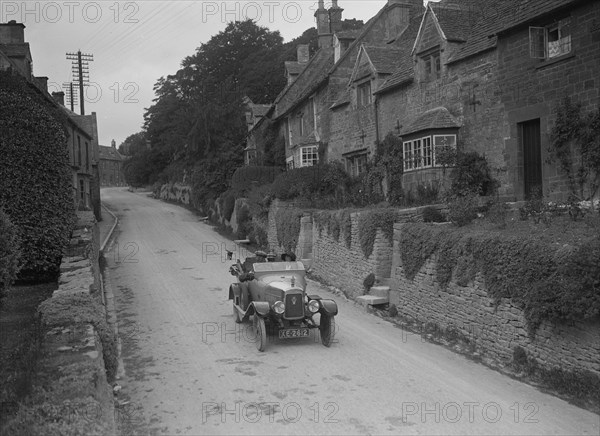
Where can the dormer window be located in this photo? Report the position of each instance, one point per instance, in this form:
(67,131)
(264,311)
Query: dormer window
(364,97)
(550,41)
(431,65)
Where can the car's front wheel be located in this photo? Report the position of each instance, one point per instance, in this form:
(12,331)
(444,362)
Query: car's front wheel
(261,332)
(327,329)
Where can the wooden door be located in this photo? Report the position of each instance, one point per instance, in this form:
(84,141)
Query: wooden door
(531,146)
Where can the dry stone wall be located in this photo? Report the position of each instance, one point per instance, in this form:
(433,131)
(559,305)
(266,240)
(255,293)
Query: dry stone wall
(346,268)
(495,331)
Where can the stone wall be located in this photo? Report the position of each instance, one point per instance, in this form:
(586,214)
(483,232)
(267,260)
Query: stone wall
(495,331)
(346,268)
(73,352)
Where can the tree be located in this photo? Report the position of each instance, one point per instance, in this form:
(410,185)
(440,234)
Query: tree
(133,144)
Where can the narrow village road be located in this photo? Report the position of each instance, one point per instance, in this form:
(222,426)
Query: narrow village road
(188,370)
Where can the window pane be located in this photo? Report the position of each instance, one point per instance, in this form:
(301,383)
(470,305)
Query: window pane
(537,39)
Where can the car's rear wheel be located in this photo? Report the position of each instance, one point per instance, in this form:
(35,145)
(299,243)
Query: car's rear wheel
(261,332)
(327,329)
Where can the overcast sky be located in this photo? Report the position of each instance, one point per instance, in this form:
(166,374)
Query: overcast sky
(135,43)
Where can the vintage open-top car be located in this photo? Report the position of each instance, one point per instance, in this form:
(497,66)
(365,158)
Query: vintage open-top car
(274,294)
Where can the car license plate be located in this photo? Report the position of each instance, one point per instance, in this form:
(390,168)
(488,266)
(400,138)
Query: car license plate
(293,333)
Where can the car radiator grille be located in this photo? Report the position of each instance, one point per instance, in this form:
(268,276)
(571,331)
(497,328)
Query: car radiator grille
(294,306)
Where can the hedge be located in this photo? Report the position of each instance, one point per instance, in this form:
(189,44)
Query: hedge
(35,177)
(546,282)
(9,252)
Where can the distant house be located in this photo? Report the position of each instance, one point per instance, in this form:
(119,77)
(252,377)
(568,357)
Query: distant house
(15,55)
(111,166)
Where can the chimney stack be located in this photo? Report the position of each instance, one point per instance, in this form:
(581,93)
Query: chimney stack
(323,27)
(113,144)
(59,97)
(303,53)
(335,17)
(42,83)
(12,33)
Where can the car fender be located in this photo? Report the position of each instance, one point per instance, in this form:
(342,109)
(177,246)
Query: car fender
(262,308)
(329,307)
(234,290)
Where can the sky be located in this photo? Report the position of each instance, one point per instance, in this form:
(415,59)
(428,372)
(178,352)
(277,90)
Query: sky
(134,43)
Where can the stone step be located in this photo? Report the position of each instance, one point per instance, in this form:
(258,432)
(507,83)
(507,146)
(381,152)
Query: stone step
(371,300)
(380,291)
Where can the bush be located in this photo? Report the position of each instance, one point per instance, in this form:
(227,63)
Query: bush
(472,174)
(325,183)
(462,210)
(432,215)
(9,252)
(35,176)
(228,205)
(250,176)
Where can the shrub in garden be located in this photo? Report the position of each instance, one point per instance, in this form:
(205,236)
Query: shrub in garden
(462,210)
(432,215)
(472,174)
(35,176)
(9,252)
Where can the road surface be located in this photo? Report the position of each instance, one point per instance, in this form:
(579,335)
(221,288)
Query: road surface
(189,369)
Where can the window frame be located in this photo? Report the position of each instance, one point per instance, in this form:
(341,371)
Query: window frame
(364,94)
(420,152)
(356,165)
(431,64)
(539,40)
(309,155)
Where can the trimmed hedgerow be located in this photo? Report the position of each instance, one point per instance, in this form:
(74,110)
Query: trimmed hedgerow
(35,177)
(368,223)
(287,222)
(9,252)
(546,282)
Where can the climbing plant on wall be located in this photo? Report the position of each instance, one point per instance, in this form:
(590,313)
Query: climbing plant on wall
(35,176)
(368,223)
(575,145)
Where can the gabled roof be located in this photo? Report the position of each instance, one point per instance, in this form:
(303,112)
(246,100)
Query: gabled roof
(309,80)
(384,58)
(404,73)
(260,110)
(343,98)
(456,21)
(109,153)
(437,118)
(348,34)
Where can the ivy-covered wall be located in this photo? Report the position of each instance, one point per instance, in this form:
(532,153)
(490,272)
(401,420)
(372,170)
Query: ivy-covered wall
(457,296)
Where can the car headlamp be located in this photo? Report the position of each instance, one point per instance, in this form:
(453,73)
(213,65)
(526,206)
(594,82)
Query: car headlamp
(278,307)
(314,306)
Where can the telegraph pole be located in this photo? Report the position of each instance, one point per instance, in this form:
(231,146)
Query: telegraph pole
(80,69)
(71,96)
